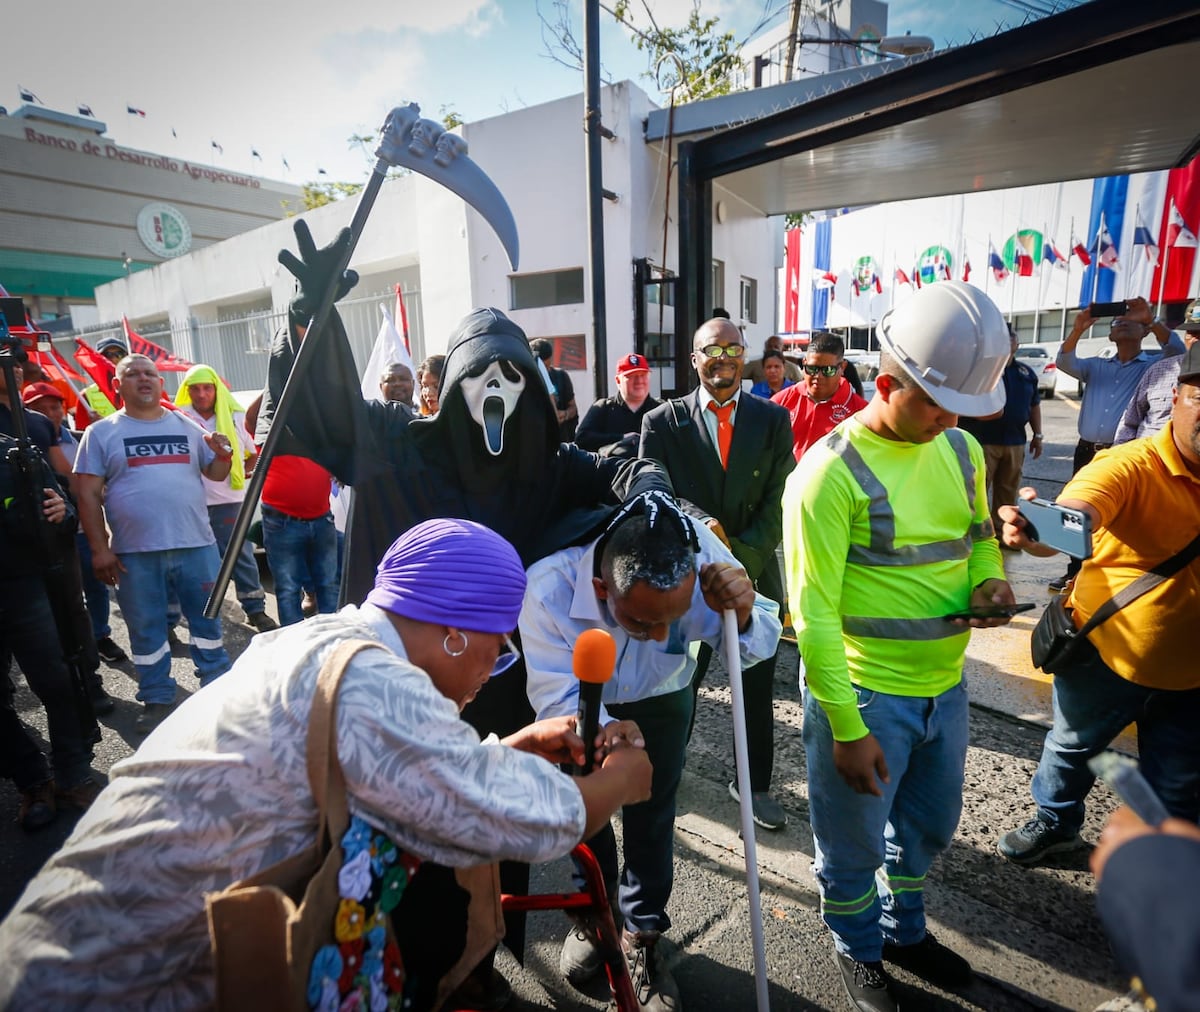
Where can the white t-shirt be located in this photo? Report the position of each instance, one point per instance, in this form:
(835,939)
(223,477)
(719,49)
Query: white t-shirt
(154,499)
(218,492)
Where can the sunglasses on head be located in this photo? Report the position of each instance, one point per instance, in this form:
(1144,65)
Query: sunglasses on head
(728,350)
(508,656)
(822,370)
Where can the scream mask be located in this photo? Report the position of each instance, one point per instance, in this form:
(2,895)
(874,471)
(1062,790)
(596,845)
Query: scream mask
(491,400)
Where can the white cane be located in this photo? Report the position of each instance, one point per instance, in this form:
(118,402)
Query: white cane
(733,664)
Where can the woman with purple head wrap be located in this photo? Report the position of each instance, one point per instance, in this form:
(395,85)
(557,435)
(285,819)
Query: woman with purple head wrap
(220,791)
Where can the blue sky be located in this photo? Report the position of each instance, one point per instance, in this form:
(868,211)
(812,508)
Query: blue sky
(296,81)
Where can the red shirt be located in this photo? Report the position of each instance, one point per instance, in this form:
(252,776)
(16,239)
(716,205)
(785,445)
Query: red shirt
(297,486)
(812,420)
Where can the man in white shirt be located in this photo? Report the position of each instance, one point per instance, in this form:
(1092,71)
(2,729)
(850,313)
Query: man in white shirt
(656,595)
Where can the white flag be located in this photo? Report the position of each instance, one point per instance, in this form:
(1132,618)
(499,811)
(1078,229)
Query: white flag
(1178,234)
(389,348)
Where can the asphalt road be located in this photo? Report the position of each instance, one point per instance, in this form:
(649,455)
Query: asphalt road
(1031,934)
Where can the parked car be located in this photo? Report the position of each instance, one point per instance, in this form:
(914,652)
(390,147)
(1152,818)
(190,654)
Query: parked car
(1040,358)
(866,364)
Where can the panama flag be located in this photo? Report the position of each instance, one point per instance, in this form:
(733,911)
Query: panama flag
(999,271)
(1052,255)
(1104,249)
(823,279)
(135,111)
(1143,238)
(916,275)
(1178,234)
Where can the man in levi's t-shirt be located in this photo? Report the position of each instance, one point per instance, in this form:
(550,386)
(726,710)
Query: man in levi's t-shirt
(299,535)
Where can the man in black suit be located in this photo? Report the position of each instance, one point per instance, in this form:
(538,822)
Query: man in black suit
(728,455)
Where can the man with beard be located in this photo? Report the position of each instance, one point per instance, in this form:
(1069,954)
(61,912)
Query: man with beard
(491,454)
(1139,664)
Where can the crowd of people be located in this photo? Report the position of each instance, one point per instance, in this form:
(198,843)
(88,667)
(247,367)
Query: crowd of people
(488,527)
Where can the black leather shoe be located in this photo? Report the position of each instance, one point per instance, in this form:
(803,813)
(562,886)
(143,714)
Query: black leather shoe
(930,960)
(867,984)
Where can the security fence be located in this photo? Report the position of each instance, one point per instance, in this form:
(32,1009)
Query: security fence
(238,343)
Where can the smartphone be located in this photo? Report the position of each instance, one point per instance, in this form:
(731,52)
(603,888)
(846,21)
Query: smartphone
(992,611)
(1098,309)
(1122,774)
(1060,527)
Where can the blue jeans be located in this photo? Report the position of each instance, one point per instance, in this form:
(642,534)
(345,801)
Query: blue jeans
(649,827)
(250,594)
(142,593)
(301,552)
(95,593)
(1092,704)
(924,741)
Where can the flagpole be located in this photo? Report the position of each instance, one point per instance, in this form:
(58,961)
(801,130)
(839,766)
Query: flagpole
(1162,276)
(987,272)
(1062,327)
(1096,262)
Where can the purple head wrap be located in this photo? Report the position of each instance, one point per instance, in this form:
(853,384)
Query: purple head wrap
(452,572)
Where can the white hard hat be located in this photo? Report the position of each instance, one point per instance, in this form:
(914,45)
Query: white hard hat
(953,342)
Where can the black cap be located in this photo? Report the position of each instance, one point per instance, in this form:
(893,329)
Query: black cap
(1189,367)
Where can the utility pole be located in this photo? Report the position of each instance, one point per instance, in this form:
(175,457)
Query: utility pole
(793,31)
(594,131)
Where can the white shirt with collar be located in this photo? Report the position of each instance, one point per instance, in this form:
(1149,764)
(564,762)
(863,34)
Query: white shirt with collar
(560,603)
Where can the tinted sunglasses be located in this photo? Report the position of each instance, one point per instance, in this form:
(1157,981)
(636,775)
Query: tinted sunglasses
(728,350)
(821,370)
(508,656)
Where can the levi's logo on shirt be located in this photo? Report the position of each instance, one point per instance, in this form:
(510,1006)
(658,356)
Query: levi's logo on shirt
(140,450)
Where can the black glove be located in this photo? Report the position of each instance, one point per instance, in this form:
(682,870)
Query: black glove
(314,270)
(661,512)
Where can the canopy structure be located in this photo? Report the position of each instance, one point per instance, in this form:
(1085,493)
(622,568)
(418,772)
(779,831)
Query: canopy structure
(1097,90)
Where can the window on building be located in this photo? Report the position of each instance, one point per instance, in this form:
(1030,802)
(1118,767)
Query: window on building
(749,300)
(549,288)
(570,351)
(718,283)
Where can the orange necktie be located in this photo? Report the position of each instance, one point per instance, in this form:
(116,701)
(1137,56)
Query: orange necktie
(724,428)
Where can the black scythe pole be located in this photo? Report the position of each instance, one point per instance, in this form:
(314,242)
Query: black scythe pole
(300,367)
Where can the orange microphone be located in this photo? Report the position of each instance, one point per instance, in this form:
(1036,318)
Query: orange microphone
(594,659)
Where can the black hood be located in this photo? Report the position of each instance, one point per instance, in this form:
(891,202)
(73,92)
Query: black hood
(483,337)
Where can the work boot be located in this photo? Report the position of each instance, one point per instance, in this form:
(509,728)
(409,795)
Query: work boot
(580,960)
(867,984)
(930,960)
(1035,840)
(652,982)
(37,806)
(79,796)
(151,716)
(261,621)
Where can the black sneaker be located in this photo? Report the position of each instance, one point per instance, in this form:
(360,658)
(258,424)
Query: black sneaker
(151,716)
(1036,840)
(37,807)
(102,702)
(1060,585)
(109,652)
(261,621)
(867,984)
(930,960)
(768,812)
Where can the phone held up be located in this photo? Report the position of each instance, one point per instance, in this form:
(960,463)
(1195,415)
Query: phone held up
(1060,527)
(1098,310)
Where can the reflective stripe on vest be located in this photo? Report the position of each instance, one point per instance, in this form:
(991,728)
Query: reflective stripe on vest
(883,551)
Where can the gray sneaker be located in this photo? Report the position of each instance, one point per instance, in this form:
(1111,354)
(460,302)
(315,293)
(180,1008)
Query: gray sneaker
(580,960)
(768,812)
(1036,840)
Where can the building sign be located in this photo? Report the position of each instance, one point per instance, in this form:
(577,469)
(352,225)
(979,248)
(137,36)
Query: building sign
(164,231)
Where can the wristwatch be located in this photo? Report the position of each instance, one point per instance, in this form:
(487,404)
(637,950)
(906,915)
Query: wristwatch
(1037,435)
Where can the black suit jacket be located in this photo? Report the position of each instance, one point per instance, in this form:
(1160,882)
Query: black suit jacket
(746,498)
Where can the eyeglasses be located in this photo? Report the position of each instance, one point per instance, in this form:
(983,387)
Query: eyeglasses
(822,370)
(728,350)
(506,658)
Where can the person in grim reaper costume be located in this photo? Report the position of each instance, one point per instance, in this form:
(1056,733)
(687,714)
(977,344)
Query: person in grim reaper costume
(491,454)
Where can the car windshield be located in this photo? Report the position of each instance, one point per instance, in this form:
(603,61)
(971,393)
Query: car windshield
(1031,351)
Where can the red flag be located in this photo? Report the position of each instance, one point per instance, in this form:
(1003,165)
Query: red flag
(100,369)
(791,297)
(162,358)
(402,316)
(901,277)
(1080,250)
(1024,263)
(966,268)
(1183,196)
(62,377)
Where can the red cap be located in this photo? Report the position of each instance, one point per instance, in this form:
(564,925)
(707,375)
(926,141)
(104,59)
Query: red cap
(627,364)
(36,391)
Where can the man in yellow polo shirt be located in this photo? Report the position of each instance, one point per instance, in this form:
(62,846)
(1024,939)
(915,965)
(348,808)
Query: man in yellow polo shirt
(1144,501)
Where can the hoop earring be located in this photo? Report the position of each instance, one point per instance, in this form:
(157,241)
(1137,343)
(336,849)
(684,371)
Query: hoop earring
(455,653)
